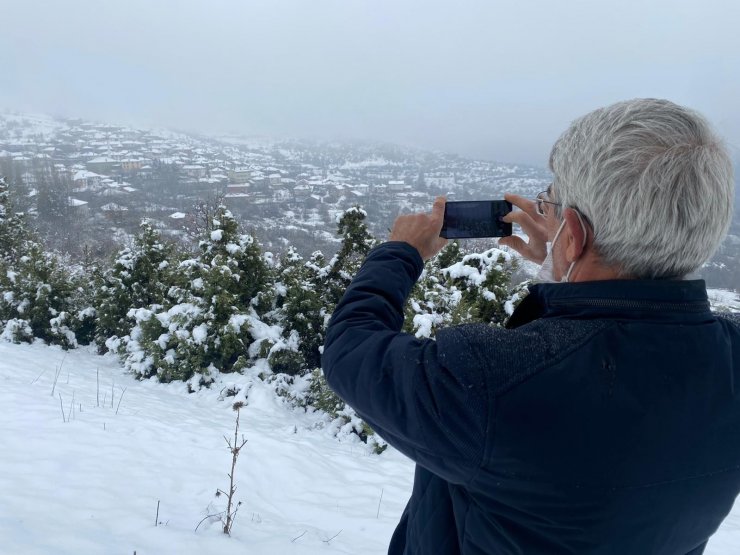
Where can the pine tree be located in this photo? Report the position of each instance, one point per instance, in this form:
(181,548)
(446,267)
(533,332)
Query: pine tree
(13,229)
(204,324)
(52,200)
(141,276)
(356,244)
(332,280)
(236,281)
(36,287)
(303,310)
(39,293)
(482,282)
(432,302)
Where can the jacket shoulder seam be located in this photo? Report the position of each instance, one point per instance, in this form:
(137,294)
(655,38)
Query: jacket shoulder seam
(530,372)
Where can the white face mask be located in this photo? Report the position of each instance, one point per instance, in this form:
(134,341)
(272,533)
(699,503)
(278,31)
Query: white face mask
(545,274)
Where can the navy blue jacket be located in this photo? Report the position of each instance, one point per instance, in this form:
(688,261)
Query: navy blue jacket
(607,421)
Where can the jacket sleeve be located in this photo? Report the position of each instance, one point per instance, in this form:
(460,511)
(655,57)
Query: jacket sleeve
(394,380)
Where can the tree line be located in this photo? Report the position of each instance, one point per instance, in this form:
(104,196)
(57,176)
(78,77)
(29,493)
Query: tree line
(175,314)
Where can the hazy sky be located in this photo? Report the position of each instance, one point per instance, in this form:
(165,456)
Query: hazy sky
(492,79)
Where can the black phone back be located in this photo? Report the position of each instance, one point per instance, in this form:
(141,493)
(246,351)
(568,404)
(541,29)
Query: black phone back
(475,218)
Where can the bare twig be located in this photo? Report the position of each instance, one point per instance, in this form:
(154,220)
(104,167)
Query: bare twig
(156,518)
(61,405)
(56,375)
(71,407)
(298,537)
(120,399)
(37,377)
(334,536)
(235,449)
(381,499)
(207,517)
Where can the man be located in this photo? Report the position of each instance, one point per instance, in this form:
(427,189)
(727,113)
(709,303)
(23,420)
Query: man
(607,420)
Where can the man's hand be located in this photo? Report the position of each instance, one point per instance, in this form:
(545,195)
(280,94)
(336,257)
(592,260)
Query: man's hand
(533,225)
(421,231)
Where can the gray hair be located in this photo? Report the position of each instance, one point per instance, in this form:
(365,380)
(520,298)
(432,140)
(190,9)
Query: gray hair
(654,181)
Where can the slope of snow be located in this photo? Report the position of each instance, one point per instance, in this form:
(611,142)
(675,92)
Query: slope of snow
(722,299)
(90,485)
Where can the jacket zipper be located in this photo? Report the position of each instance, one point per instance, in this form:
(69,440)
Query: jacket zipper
(693,306)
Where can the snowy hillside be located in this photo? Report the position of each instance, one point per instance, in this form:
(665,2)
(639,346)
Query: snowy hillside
(91,485)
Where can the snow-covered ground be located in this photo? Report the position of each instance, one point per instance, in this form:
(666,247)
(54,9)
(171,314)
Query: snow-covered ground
(91,485)
(85,478)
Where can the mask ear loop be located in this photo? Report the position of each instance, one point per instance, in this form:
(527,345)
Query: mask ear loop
(585,238)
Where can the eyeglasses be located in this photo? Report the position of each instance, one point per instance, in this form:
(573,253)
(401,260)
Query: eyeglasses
(541,200)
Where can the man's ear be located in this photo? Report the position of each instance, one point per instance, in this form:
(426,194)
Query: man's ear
(575,235)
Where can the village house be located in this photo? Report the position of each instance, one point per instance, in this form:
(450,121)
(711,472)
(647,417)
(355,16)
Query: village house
(102,164)
(302,192)
(274,179)
(396,186)
(78,208)
(237,188)
(196,171)
(240,175)
(84,180)
(129,165)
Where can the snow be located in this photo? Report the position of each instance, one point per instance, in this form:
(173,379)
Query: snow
(423,324)
(91,484)
(722,299)
(217,234)
(88,312)
(173,318)
(200,333)
(84,174)
(86,478)
(351,210)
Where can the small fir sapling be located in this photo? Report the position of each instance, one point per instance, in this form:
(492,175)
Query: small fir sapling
(228,516)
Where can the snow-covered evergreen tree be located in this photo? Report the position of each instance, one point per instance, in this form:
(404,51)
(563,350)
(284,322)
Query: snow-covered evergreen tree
(460,288)
(13,230)
(356,243)
(331,281)
(303,308)
(431,302)
(483,283)
(140,277)
(37,290)
(207,323)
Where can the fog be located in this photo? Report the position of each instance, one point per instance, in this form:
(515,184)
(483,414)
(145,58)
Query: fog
(489,79)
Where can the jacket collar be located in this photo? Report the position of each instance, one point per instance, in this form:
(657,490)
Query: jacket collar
(655,300)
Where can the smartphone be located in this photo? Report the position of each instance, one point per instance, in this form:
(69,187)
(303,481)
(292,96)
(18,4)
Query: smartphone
(475,218)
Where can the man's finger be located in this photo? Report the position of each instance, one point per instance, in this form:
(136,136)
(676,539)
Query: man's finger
(516,243)
(529,226)
(438,209)
(525,204)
